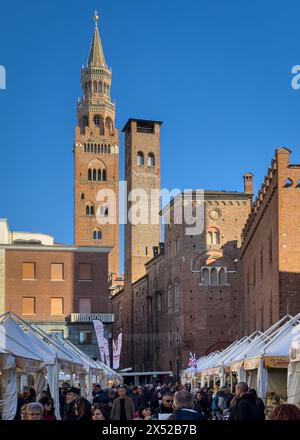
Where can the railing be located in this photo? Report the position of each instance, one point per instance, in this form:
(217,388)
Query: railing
(89,317)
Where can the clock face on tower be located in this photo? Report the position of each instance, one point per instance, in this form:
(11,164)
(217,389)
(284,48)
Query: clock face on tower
(214,214)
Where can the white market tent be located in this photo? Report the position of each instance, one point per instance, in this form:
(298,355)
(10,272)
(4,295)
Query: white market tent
(294,369)
(26,349)
(260,359)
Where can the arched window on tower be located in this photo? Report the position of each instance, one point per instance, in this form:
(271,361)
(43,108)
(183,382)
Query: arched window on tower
(97,235)
(90,174)
(89,209)
(94,174)
(100,86)
(151,160)
(98,122)
(95,87)
(104,176)
(99,175)
(109,126)
(104,211)
(140,159)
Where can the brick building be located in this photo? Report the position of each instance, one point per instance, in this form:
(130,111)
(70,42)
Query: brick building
(188,298)
(270,254)
(57,287)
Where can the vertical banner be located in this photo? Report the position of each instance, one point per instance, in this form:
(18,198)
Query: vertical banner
(106,350)
(117,346)
(99,329)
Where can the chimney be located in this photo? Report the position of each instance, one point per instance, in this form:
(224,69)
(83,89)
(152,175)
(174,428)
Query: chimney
(248,183)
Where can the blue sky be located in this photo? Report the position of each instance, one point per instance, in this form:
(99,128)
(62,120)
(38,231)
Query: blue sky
(218,73)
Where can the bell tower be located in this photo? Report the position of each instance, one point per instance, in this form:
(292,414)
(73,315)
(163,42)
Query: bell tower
(96,158)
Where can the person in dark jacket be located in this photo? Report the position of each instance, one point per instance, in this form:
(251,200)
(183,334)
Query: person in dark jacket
(184,407)
(136,398)
(100,396)
(260,404)
(83,409)
(165,408)
(69,410)
(244,407)
(201,403)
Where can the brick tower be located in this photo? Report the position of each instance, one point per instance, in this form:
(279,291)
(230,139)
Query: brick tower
(96,158)
(142,172)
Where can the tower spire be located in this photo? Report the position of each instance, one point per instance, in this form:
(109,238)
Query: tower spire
(96,55)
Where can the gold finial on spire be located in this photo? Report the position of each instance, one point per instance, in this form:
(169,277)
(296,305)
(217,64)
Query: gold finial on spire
(96,17)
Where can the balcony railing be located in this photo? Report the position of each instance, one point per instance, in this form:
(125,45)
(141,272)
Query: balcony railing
(90,317)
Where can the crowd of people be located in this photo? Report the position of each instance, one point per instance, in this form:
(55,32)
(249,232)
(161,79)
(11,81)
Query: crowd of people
(151,402)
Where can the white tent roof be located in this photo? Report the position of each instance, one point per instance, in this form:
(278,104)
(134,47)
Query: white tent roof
(16,342)
(294,351)
(21,337)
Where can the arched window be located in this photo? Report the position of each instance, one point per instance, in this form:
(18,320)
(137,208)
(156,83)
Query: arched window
(95,87)
(205,277)
(94,174)
(177,294)
(97,235)
(90,174)
(170,298)
(214,277)
(104,176)
(82,196)
(213,236)
(140,158)
(100,86)
(209,238)
(97,120)
(99,175)
(104,211)
(108,149)
(109,125)
(222,277)
(216,237)
(89,209)
(151,160)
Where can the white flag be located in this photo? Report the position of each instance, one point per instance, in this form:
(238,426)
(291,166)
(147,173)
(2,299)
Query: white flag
(106,350)
(99,329)
(117,346)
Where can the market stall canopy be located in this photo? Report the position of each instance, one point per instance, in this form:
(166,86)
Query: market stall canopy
(15,342)
(294,351)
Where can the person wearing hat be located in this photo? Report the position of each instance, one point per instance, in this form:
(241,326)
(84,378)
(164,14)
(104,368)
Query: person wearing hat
(72,396)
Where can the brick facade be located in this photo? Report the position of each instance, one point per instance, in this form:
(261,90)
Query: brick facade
(270,257)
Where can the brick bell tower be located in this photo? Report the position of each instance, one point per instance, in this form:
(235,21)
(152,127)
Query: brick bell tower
(96,158)
(142,172)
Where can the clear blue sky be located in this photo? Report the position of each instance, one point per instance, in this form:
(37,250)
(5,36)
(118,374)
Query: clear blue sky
(218,73)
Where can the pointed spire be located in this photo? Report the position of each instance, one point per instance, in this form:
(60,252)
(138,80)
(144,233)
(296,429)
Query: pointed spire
(96,56)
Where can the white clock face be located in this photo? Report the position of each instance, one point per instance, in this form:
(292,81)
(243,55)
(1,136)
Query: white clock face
(215,214)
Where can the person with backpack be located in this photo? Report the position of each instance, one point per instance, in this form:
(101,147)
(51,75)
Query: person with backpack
(219,404)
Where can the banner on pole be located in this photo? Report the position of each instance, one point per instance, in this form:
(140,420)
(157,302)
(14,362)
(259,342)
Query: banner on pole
(106,351)
(99,329)
(117,347)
